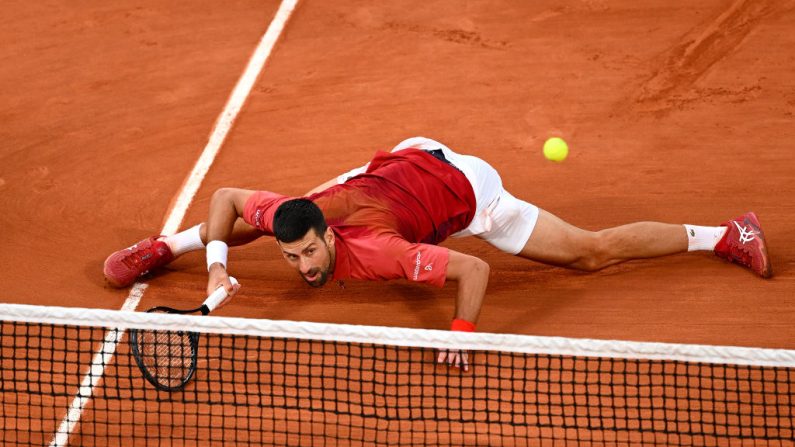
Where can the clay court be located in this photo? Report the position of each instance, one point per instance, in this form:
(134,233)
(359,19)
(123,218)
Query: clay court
(679,112)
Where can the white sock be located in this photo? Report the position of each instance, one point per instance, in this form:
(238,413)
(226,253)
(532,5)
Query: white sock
(185,241)
(703,238)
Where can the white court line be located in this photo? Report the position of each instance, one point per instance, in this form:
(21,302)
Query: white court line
(222,126)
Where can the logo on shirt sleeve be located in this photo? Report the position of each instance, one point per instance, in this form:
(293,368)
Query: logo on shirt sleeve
(418,266)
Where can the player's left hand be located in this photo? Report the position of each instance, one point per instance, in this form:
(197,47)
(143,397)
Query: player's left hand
(454,357)
(218,277)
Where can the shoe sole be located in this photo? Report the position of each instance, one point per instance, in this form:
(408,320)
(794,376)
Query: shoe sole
(767,268)
(113,279)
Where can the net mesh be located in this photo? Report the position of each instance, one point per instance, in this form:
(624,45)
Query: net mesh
(69,382)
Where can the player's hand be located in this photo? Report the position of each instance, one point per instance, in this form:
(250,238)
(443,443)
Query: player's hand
(455,358)
(218,277)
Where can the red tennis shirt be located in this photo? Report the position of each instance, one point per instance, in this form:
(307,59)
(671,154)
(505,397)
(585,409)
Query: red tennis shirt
(388,220)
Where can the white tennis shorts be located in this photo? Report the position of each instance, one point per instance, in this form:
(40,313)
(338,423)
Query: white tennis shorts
(500,218)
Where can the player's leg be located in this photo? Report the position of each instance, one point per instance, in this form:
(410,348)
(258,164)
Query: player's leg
(520,228)
(123,267)
(551,240)
(554,241)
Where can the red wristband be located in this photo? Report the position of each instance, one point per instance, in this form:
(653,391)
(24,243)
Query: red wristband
(462,326)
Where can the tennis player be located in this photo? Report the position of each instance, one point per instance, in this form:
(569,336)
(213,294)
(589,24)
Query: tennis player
(385,220)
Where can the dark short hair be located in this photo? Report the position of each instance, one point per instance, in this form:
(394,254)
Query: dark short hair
(294,218)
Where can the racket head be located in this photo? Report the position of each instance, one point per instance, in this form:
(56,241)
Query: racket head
(166,358)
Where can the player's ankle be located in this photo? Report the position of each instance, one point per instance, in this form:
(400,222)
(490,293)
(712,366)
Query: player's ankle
(703,238)
(185,241)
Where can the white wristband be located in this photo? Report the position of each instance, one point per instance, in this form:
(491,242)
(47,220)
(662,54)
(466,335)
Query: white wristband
(216,252)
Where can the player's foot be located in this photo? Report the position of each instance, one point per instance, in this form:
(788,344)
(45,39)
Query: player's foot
(744,243)
(125,266)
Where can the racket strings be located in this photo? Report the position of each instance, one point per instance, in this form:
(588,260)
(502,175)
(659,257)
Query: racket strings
(168,355)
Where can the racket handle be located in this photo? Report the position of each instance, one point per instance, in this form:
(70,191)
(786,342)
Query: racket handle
(216,297)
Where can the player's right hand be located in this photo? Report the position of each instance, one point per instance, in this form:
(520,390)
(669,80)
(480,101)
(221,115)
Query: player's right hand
(454,358)
(218,277)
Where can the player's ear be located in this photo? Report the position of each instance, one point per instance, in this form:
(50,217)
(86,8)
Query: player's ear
(329,237)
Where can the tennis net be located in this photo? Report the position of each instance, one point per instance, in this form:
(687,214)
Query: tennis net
(68,378)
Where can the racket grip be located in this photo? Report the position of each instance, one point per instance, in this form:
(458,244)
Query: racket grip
(216,297)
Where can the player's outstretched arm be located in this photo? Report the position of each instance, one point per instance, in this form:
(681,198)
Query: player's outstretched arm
(226,206)
(472,275)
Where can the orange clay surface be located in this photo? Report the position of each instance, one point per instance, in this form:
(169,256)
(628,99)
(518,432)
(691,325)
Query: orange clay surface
(674,111)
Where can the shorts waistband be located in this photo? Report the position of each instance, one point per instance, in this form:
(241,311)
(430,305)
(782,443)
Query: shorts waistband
(439,154)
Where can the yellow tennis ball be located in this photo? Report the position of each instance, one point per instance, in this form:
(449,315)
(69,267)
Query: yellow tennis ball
(556,149)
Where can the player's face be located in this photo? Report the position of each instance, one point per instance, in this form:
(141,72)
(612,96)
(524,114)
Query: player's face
(312,256)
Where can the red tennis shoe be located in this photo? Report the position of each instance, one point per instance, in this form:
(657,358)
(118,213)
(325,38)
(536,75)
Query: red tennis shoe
(125,266)
(744,243)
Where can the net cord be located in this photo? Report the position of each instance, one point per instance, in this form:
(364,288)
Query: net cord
(390,336)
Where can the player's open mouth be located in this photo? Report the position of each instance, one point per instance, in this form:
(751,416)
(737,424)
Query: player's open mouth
(312,278)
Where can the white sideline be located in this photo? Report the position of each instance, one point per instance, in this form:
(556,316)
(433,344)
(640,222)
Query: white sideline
(222,126)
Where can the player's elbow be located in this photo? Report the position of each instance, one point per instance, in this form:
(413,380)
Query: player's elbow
(481,268)
(222,195)
(466,268)
(230,197)
(476,269)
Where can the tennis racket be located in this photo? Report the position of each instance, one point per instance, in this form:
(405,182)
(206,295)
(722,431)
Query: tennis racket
(167,358)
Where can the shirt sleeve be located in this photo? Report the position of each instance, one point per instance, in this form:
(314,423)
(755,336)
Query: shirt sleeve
(260,208)
(420,262)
